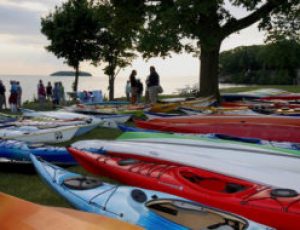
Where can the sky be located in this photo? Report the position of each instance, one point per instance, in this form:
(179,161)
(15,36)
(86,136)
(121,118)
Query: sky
(22,46)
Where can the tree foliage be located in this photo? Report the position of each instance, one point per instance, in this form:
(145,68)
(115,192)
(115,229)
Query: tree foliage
(116,37)
(201,26)
(71,29)
(274,63)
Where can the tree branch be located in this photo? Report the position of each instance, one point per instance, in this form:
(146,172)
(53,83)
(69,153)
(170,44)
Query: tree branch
(235,25)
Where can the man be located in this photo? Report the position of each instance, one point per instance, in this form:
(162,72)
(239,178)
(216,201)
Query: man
(2,95)
(153,84)
(19,95)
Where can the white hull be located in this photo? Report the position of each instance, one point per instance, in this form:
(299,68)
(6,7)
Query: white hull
(53,135)
(60,114)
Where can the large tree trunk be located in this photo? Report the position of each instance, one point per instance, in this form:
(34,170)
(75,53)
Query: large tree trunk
(111,87)
(76,78)
(209,64)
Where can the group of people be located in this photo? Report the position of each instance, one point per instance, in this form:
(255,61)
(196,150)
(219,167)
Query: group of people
(15,97)
(55,93)
(135,88)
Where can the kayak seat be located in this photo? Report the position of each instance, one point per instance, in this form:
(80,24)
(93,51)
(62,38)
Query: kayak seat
(82,183)
(213,184)
(233,188)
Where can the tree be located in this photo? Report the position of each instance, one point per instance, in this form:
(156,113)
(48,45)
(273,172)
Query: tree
(71,29)
(273,63)
(115,38)
(284,25)
(200,27)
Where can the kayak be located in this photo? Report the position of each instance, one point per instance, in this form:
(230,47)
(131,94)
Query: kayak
(34,135)
(166,107)
(20,151)
(219,110)
(260,165)
(252,94)
(20,214)
(152,115)
(232,119)
(133,133)
(59,114)
(146,208)
(106,110)
(270,132)
(118,118)
(275,207)
(49,124)
(287,97)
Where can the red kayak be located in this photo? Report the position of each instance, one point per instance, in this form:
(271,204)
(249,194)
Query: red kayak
(236,119)
(279,208)
(287,97)
(245,130)
(278,104)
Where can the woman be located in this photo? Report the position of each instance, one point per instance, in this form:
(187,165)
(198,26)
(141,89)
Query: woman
(133,83)
(13,98)
(41,93)
(49,91)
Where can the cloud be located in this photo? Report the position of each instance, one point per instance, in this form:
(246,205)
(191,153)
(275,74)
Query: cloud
(15,20)
(33,5)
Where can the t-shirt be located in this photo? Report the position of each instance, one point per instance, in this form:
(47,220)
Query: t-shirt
(153,79)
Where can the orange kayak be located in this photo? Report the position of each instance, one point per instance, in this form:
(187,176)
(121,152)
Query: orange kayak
(220,119)
(23,215)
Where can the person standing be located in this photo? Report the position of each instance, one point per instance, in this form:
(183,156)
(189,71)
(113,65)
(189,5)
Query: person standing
(13,98)
(153,84)
(2,95)
(133,84)
(49,91)
(55,95)
(140,89)
(19,95)
(41,93)
(61,93)
(128,90)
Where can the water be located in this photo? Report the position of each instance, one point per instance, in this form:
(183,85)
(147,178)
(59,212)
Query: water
(29,84)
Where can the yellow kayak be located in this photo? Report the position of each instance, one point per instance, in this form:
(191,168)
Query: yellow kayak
(23,215)
(167,107)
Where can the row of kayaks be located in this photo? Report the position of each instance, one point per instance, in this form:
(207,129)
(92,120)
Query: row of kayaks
(150,209)
(198,178)
(194,182)
(55,126)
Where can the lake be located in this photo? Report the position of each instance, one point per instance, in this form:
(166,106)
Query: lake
(29,83)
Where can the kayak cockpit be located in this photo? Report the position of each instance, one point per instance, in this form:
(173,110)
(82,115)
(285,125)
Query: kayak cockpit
(194,216)
(213,182)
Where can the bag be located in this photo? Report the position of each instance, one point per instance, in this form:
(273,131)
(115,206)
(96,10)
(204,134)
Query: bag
(159,89)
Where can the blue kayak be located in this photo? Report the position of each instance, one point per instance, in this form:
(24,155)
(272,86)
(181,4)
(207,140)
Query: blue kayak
(20,151)
(146,208)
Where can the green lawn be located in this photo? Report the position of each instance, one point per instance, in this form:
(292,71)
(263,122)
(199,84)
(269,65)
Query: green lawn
(30,187)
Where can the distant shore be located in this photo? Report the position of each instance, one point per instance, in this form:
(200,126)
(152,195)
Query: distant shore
(70,74)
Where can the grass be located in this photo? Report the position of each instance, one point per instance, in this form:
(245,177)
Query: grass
(29,186)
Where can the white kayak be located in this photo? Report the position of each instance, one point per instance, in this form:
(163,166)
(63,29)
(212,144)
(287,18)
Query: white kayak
(35,135)
(260,165)
(59,114)
(65,115)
